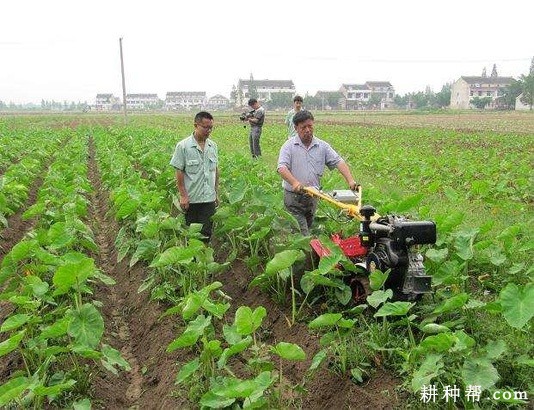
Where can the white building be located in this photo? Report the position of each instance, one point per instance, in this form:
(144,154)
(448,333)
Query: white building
(465,89)
(218,102)
(142,101)
(263,88)
(359,96)
(106,102)
(185,100)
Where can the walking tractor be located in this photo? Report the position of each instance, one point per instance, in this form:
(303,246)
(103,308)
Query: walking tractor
(384,243)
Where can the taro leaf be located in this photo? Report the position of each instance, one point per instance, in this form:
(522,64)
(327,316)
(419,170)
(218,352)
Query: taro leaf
(194,330)
(437,255)
(452,304)
(86,326)
(38,286)
(464,243)
(127,208)
(12,389)
(430,368)
(187,370)
(145,249)
(479,372)
(192,303)
(282,260)
(112,357)
(494,349)
(14,322)
(55,389)
(318,359)
(213,401)
(247,321)
(378,297)
(326,319)
(233,350)
(409,203)
(84,404)
(448,273)
(394,309)
(357,374)
(517,304)
(237,193)
(72,275)
(289,351)
(177,255)
(59,236)
(216,309)
(441,342)
(234,388)
(343,295)
(57,329)
(377,279)
(463,341)
(20,251)
(434,328)
(12,343)
(230,334)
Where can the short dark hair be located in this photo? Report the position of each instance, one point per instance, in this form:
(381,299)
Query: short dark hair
(302,116)
(252,101)
(201,115)
(297,98)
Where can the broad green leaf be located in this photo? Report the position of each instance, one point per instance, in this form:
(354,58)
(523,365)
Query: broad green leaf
(452,304)
(127,208)
(14,322)
(112,357)
(289,351)
(189,337)
(437,255)
(72,275)
(378,297)
(429,369)
(377,279)
(213,401)
(84,404)
(187,370)
(517,304)
(12,343)
(56,329)
(176,255)
(479,372)
(394,309)
(318,359)
(464,243)
(247,321)
(326,319)
(238,347)
(234,388)
(282,260)
(494,349)
(441,342)
(12,389)
(434,328)
(55,389)
(86,326)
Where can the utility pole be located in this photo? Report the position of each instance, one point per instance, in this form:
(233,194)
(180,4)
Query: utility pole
(123,84)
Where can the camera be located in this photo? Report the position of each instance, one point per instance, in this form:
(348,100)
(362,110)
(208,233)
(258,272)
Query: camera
(246,115)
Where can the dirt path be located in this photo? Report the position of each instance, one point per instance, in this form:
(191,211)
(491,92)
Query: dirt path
(132,324)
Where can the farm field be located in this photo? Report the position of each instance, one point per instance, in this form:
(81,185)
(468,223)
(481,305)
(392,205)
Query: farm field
(108,301)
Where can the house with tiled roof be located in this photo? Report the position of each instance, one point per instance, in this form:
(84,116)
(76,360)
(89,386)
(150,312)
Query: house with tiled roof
(218,102)
(361,96)
(106,102)
(466,88)
(262,88)
(185,100)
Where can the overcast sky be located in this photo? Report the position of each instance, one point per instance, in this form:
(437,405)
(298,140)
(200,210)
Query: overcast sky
(69,50)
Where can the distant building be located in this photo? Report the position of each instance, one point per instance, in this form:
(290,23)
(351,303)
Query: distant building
(218,102)
(262,88)
(466,88)
(381,94)
(185,100)
(142,101)
(106,102)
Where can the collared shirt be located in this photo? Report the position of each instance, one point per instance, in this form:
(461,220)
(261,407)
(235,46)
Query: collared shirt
(199,168)
(259,113)
(307,164)
(291,131)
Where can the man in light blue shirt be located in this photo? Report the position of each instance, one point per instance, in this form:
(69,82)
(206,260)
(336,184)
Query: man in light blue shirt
(301,163)
(197,173)
(297,106)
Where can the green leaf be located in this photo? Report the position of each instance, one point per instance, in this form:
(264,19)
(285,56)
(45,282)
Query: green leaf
(14,322)
(434,328)
(72,275)
(283,260)
(55,389)
(429,369)
(479,372)
(377,279)
(247,321)
(84,404)
(57,329)
(176,255)
(213,401)
(437,255)
(12,343)
(86,326)
(394,309)
(441,342)
(517,304)
(494,349)
(127,208)
(378,297)
(326,319)
(12,389)
(191,334)
(112,358)
(289,351)
(236,348)
(452,304)
(187,370)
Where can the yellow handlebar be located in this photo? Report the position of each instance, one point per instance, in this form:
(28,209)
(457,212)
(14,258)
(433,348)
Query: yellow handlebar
(353,211)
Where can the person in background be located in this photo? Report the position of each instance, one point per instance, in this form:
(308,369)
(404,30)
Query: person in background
(297,106)
(256,124)
(195,160)
(301,163)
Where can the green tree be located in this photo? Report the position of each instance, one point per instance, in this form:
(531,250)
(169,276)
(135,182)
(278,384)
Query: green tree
(401,102)
(443,98)
(252,89)
(528,87)
(374,101)
(510,94)
(480,103)
(280,100)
